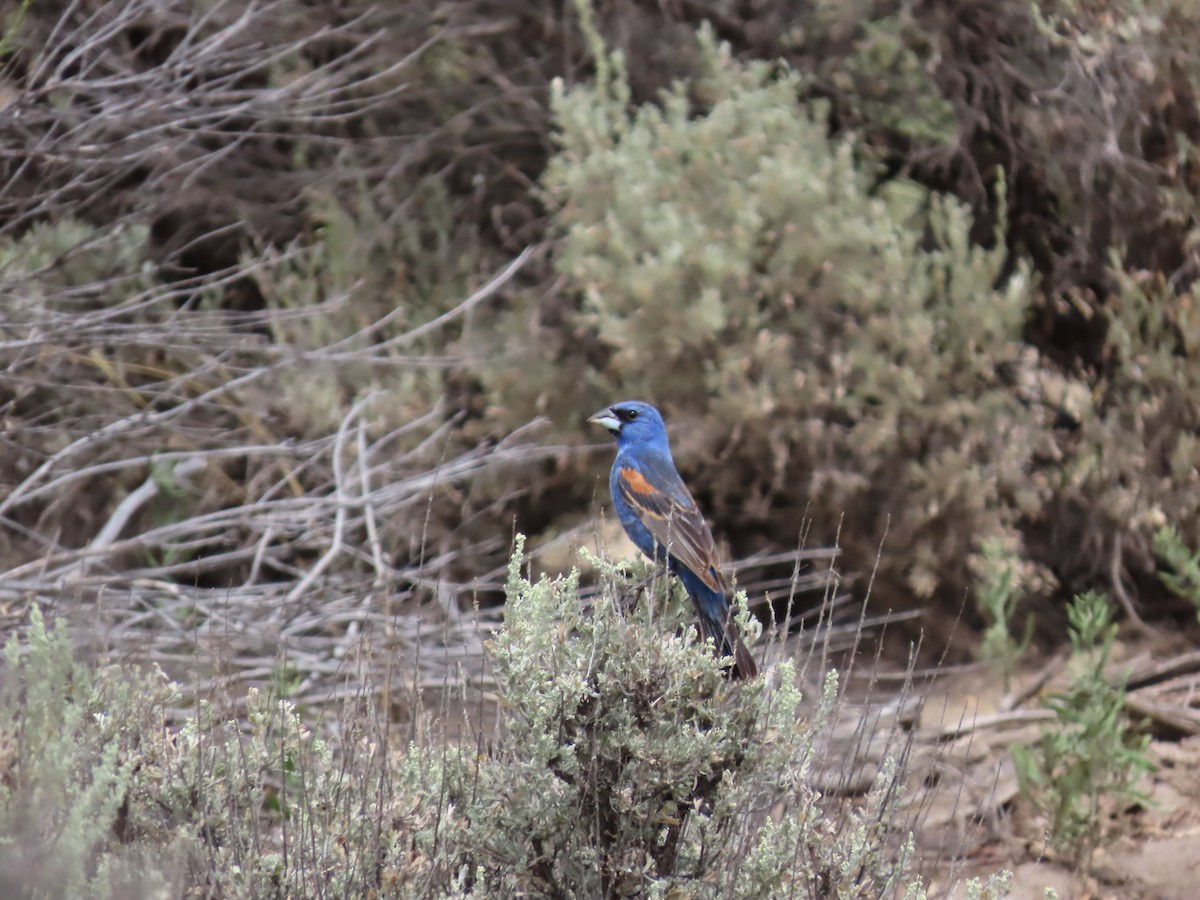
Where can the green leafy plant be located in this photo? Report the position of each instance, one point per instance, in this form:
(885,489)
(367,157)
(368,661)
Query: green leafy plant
(1184,577)
(1092,750)
(997,597)
(10,27)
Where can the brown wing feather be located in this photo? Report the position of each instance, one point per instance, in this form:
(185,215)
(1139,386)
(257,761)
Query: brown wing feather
(676,523)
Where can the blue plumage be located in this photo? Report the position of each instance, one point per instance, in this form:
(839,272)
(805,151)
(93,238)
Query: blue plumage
(658,513)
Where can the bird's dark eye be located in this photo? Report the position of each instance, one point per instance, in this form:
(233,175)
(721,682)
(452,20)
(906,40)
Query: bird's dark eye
(627,415)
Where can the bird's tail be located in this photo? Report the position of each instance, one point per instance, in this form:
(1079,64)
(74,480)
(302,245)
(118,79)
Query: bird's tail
(727,638)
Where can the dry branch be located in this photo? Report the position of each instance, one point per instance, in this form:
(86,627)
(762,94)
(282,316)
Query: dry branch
(168,97)
(278,549)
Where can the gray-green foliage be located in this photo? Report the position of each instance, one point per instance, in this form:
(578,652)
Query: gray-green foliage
(997,596)
(72,742)
(632,767)
(101,799)
(276,812)
(736,262)
(53,266)
(627,765)
(1184,577)
(1092,751)
(994,887)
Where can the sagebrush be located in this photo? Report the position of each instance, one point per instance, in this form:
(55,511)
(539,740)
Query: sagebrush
(625,764)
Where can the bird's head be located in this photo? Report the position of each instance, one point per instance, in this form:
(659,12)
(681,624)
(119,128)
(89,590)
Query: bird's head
(633,423)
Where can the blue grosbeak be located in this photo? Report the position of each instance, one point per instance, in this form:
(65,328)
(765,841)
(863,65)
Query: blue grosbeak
(661,518)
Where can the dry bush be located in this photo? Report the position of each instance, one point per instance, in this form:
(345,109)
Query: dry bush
(843,341)
(157,455)
(1132,457)
(211,123)
(265,449)
(182,118)
(1085,113)
(334,180)
(804,332)
(1088,112)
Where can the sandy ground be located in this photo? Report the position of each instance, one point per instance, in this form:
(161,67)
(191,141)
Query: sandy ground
(1149,851)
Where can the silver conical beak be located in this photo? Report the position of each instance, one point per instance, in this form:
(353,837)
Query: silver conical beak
(607,419)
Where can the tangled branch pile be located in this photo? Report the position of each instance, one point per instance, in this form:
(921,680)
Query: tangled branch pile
(261,336)
(204,445)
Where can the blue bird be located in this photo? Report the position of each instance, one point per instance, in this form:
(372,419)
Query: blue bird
(658,513)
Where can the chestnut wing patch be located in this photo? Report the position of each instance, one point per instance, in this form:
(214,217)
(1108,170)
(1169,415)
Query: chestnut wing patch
(675,522)
(637,482)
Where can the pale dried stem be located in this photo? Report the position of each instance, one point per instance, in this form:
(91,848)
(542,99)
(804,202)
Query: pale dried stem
(311,525)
